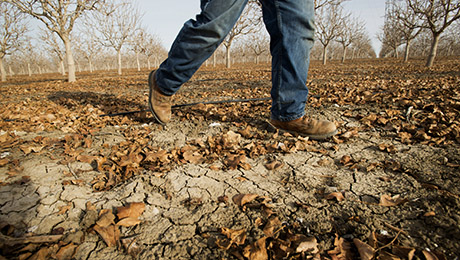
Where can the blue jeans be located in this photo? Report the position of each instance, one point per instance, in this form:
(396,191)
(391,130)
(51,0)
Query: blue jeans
(290,24)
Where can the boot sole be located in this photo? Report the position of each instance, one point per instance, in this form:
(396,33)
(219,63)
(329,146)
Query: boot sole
(151,79)
(311,136)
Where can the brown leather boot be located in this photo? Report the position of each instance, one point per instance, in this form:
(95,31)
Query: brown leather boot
(305,126)
(159,104)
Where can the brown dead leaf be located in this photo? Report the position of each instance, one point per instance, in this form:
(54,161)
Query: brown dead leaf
(64,209)
(433,255)
(388,201)
(366,252)
(336,195)
(301,243)
(110,234)
(133,210)
(128,222)
(430,214)
(66,252)
(404,252)
(4,162)
(272,226)
(131,247)
(384,255)
(224,244)
(257,250)
(42,254)
(237,237)
(27,149)
(274,165)
(242,199)
(105,219)
(342,249)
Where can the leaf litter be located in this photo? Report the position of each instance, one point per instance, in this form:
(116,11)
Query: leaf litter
(403,110)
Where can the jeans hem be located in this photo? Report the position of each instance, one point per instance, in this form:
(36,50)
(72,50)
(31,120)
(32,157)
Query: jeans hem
(287,119)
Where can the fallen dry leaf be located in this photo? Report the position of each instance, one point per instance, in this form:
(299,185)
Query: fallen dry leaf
(388,201)
(105,219)
(404,252)
(366,252)
(274,165)
(128,222)
(237,237)
(133,210)
(242,199)
(271,227)
(66,252)
(257,250)
(27,149)
(342,249)
(335,195)
(110,234)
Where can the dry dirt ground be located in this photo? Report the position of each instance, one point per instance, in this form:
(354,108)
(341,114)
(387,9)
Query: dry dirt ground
(219,182)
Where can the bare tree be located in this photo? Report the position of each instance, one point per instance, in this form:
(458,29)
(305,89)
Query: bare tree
(259,44)
(59,17)
(116,24)
(408,24)
(391,38)
(249,22)
(87,45)
(13,30)
(329,21)
(153,48)
(52,45)
(437,16)
(351,30)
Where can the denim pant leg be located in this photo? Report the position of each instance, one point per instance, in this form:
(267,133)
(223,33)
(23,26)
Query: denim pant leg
(197,41)
(291,26)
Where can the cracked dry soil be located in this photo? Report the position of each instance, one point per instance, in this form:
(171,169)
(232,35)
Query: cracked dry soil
(185,211)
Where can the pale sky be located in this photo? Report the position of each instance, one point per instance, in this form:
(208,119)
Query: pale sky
(166,17)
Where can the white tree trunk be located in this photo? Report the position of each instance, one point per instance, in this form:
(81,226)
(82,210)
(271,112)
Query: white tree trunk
(61,64)
(2,69)
(119,61)
(138,62)
(70,60)
(406,52)
(344,55)
(228,60)
(433,50)
(325,55)
(90,65)
(148,63)
(29,69)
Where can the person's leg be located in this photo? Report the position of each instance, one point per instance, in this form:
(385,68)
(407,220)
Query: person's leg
(197,41)
(291,26)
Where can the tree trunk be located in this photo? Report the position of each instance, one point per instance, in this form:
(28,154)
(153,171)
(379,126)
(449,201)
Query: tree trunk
(61,64)
(228,60)
(2,69)
(148,63)
(257,59)
(433,50)
(138,62)
(11,71)
(119,61)
(29,69)
(70,60)
(406,52)
(90,65)
(325,55)
(344,54)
